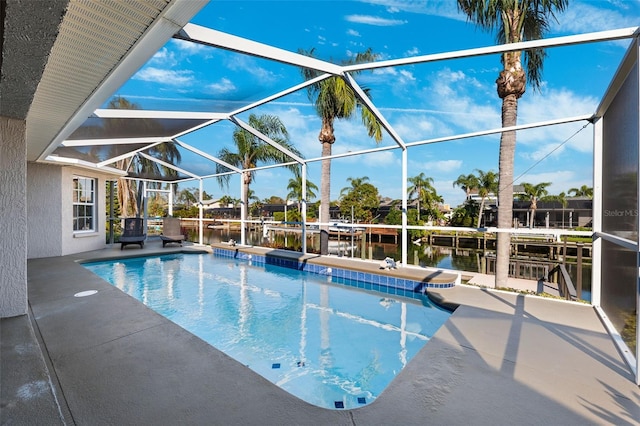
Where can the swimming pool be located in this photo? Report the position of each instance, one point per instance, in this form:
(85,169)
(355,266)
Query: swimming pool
(332,345)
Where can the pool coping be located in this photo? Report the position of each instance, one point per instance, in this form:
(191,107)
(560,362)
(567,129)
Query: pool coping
(390,281)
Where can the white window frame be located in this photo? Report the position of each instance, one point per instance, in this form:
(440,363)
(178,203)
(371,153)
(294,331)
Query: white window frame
(84,198)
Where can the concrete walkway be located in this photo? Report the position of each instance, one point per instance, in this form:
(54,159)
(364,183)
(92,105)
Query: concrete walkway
(501,359)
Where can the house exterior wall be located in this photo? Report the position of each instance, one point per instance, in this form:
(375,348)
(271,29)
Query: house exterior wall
(76,243)
(44,210)
(50,211)
(13,218)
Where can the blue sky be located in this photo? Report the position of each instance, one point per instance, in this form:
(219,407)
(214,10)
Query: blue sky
(421,101)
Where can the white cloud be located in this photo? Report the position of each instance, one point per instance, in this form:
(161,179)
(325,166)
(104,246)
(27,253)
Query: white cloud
(554,104)
(382,159)
(170,77)
(400,77)
(353,33)
(544,150)
(388,71)
(407,75)
(165,57)
(248,64)
(412,52)
(455,95)
(188,47)
(434,8)
(584,17)
(303,128)
(453,196)
(374,20)
(412,127)
(223,86)
(266,174)
(442,165)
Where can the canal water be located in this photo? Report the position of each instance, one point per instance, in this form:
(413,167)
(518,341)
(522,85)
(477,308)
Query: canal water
(459,259)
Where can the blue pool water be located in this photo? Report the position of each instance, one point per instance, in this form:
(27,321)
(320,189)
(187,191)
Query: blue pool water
(329,344)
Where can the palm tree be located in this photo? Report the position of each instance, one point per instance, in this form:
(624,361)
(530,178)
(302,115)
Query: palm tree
(225,200)
(467,183)
(533,193)
(487,184)
(251,196)
(253,203)
(335,99)
(295,190)
(355,184)
(250,151)
(422,188)
(188,197)
(583,191)
(129,198)
(515,21)
(560,198)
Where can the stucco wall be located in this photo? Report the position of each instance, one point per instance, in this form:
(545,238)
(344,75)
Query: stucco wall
(44,210)
(50,211)
(13,218)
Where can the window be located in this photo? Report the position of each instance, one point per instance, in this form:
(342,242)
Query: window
(84,196)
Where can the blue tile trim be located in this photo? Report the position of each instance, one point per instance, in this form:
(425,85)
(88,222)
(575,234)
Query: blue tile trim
(364,280)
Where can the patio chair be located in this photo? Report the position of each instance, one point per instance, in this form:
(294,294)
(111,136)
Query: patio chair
(133,232)
(171,231)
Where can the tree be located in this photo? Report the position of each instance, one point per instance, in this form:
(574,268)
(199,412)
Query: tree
(188,197)
(560,198)
(423,190)
(255,209)
(465,214)
(355,184)
(515,21)
(251,196)
(295,190)
(467,183)
(250,151)
(225,200)
(533,193)
(130,198)
(395,218)
(206,196)
(334,99)
(487,184)
(361,198)
(254,204)
(274,199)
(583,191)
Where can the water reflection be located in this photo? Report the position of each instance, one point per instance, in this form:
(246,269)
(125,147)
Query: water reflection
(424,255)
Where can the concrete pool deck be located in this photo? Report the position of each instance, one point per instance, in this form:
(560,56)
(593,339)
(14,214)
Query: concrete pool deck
(502,358)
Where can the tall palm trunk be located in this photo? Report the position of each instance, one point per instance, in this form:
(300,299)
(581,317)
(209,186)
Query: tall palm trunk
(533,208)
(326,138)
(515,21)
(325,198)
(480,212)
(246,181)
(505,193)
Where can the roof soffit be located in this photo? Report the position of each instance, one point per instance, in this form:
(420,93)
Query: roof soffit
(99,46)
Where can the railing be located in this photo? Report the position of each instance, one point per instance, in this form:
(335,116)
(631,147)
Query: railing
(521,268)
(566,288)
